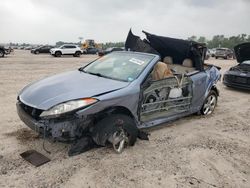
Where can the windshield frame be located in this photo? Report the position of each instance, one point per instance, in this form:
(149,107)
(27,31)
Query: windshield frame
(121,52)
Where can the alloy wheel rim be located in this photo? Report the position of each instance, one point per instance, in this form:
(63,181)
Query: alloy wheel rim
(209,105)
(119,140)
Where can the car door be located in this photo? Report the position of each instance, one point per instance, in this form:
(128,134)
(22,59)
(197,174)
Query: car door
(158,100)
(72,49)
(43,49)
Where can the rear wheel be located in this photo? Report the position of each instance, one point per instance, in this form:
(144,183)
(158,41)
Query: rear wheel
(117,129)
(209,103)
(77,54)
(58,54)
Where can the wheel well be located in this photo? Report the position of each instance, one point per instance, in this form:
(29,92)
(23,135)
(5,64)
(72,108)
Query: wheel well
(214,88)
(113,110)
(58,51)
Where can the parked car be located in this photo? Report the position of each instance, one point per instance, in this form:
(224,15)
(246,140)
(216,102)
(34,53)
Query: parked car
(4,51)
(212,52)
(109,50)
(225,53)
(41,49)
(208,54)
(91,51)
(239,76)
(66,49)
(28,48)
(113,97)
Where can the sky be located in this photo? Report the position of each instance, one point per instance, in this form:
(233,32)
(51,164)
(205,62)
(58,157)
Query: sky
(49,21)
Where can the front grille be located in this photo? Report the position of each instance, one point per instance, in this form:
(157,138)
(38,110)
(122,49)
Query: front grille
(33,112)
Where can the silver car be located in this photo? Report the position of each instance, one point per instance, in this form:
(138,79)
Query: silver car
(113,97)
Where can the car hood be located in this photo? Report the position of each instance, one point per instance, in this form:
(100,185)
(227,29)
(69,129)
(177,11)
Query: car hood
(48,92)
(242,52)
(54,49)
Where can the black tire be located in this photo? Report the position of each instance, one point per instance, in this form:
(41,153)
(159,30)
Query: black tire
(107,126)
(209,105)
(36,52)
(58,54)
(77,54)
(1,53)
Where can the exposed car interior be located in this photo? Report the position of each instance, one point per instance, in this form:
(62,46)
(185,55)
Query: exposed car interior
(169,90)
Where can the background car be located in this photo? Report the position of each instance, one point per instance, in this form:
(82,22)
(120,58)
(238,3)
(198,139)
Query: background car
(212,52)
(239,75)
(225,53)
(109,50)
(66,49)
(5,50)
(208,54)
(2,51)
(91,50)
(42,49)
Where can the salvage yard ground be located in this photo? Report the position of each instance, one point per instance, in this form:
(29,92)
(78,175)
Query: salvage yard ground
(196,151)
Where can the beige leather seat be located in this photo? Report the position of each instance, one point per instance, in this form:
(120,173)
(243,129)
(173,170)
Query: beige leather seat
(168,60)
(188,63)
(161,71)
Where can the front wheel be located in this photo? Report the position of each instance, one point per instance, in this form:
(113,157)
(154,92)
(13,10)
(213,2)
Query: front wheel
(117,129)
(210,103)
(58,54)
(36,52)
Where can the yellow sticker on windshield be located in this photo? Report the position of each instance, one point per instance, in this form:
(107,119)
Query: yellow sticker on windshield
(137,61)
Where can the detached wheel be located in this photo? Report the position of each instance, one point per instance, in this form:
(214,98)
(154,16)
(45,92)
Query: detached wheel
(1,53)
(118,130)
(58,54)
(210,103)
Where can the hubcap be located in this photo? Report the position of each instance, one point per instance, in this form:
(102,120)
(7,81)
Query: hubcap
(209,105)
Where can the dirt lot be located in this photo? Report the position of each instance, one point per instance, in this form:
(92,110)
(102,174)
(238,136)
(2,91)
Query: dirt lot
(195,151)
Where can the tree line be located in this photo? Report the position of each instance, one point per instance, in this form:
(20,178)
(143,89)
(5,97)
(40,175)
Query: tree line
(222,41)
(216,41)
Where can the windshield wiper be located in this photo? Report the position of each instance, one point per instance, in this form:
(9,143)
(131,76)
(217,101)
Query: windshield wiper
(96,74)
(101,75)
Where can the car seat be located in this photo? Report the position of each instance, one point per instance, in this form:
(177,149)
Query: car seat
(168,60)
(161,71)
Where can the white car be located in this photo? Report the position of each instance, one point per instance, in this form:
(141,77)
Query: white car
(66,49)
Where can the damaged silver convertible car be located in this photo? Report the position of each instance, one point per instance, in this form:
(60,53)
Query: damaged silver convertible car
(158,79)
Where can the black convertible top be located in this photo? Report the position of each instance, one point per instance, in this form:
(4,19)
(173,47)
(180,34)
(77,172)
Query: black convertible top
(178,49)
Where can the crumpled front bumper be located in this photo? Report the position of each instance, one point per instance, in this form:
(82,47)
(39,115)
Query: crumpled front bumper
(63,129)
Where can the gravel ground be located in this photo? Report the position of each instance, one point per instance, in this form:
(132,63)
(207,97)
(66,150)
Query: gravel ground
(195,151)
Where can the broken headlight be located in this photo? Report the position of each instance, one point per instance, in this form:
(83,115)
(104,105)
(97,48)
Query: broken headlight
(68,107)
